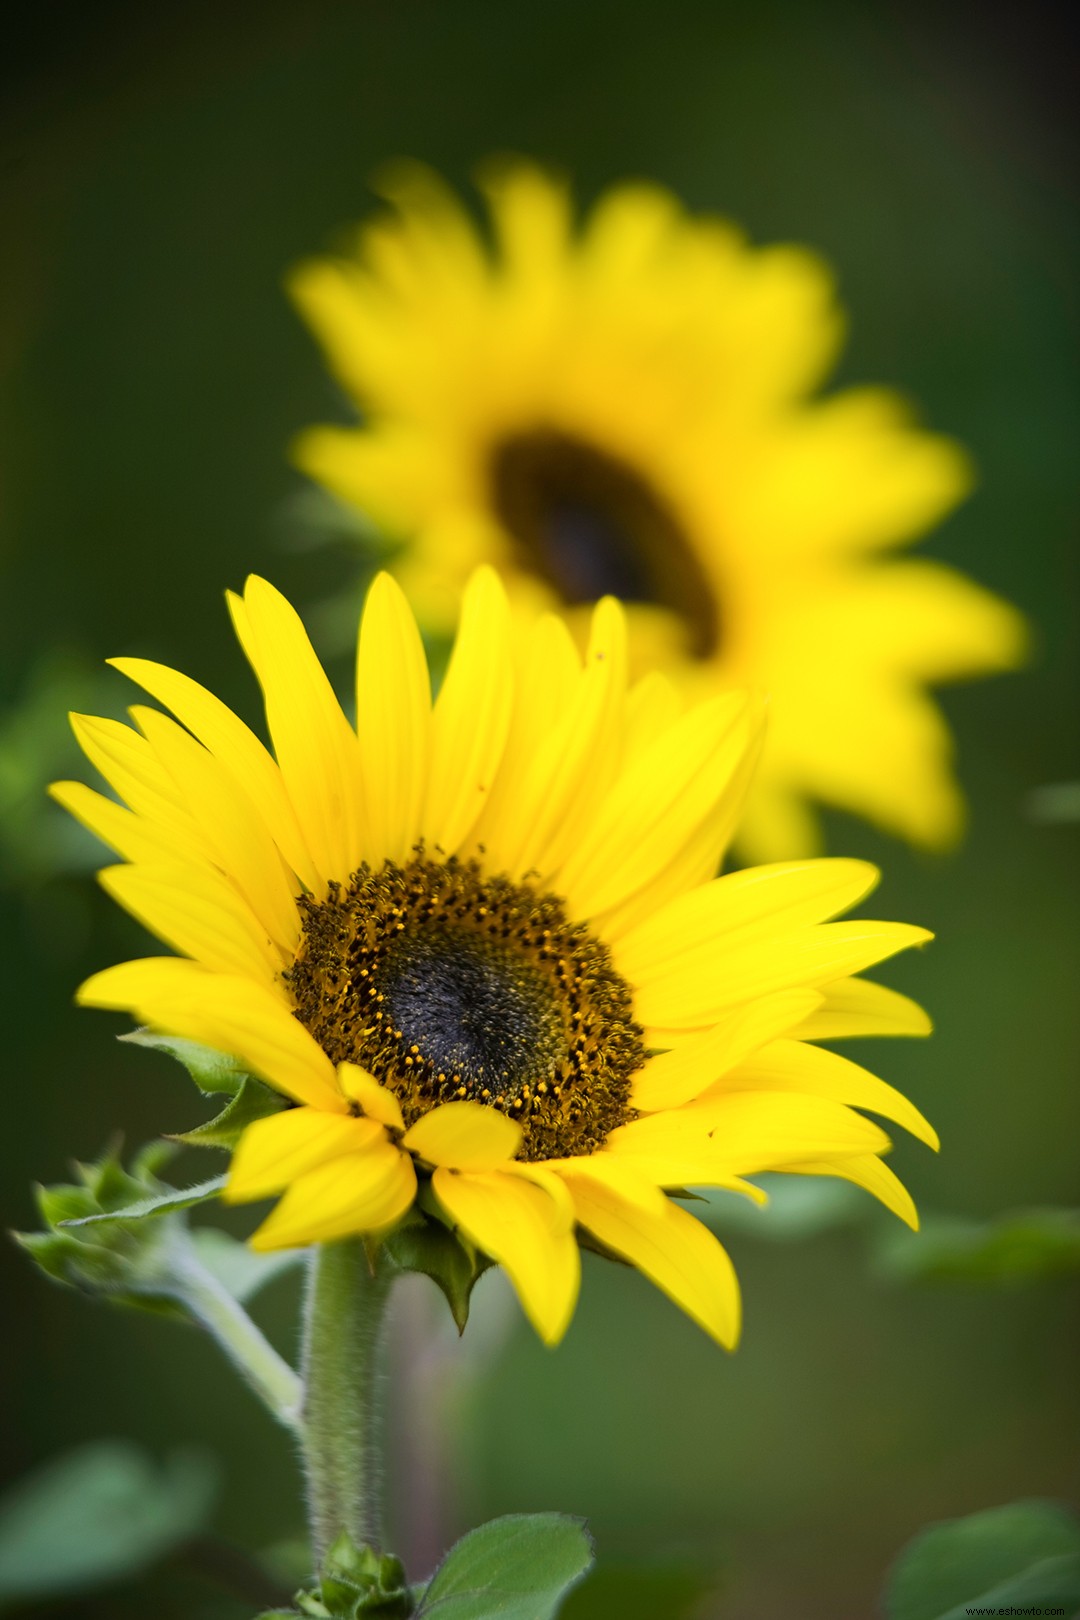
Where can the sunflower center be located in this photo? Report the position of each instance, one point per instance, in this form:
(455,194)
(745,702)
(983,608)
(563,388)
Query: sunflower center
(591,525)
(446,984)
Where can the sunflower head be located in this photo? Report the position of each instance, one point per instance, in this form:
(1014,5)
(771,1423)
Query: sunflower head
(630,406)
(479,946)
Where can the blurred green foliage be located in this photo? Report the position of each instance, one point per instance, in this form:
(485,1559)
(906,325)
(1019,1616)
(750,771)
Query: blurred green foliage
(162,169)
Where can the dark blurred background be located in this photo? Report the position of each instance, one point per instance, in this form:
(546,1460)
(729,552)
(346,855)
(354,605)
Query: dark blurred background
(161,168)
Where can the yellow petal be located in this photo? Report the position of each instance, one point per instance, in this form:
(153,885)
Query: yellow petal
(472,715)
(673,1078)
(761,903)
(237,749)
(127,985)
(616,1175)
(811,1070)
(276,1151)
(858,1007)
(235,835)
(741,1134)
(668,793)
(315,745)
(519,1225)
(548,673)
(393,721)
(131,836)
(696,995)
(358,1193)
(376,1101)
(672,1249)
(237,1016)
(127,763)
(464,1136)
(198,911)
(869,1172)
(574,766)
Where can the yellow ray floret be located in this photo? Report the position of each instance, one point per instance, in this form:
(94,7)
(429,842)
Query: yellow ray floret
(480,947)
(630,406)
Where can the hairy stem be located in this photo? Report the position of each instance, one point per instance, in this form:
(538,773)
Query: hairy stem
(340,1427)
(268,1373)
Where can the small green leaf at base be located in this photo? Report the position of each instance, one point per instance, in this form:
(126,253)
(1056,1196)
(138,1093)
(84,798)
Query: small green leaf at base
(516,1568)
(1025,1554)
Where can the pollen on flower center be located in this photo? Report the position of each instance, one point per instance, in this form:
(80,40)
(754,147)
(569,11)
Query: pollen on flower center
(592,526)
(446,984)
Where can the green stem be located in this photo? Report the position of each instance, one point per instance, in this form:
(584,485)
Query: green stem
(269,1374)
(343,1317)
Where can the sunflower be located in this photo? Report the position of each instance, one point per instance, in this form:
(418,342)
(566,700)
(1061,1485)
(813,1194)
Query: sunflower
(630,409)
(480,948)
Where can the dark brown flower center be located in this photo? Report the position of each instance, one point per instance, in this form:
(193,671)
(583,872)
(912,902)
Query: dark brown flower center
(591,525)
(446,984)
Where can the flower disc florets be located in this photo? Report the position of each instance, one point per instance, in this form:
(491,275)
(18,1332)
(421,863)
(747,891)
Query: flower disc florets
(446,985)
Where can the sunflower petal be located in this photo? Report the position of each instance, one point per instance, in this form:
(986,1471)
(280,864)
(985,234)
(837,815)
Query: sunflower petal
(131,836)
(671,790)
(739,1135)
(792,1066)
(315,745)
(393,721)
(248,1021)
(519,1225)
(196,910)
(276,1151)
(472,715)
(672,1249)
(675,1077)
(377,1101)
(464,1136)
(237,749)
(859,1007)
(869,1172)
(696,993)
(356,1193)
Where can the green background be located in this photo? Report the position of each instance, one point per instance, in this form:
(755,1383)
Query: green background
(161,170)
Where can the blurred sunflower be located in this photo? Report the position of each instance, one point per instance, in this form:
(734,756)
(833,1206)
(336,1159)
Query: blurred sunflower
(628,410)
(480,946)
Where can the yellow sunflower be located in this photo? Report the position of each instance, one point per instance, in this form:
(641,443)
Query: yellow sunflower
(480,946)
(630,409)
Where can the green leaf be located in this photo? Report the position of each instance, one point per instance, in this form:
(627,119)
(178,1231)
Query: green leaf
(165,1202)
(211,1071)
(423,1243)
(638,1594)
(1027,1553)
(97,1515)
(238,1268)
(1022,1246)
(516,1568)
(251,1102)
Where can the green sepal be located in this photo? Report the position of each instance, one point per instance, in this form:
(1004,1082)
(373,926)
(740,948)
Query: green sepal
(422,1242)
(251,1102)
(213,1072)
